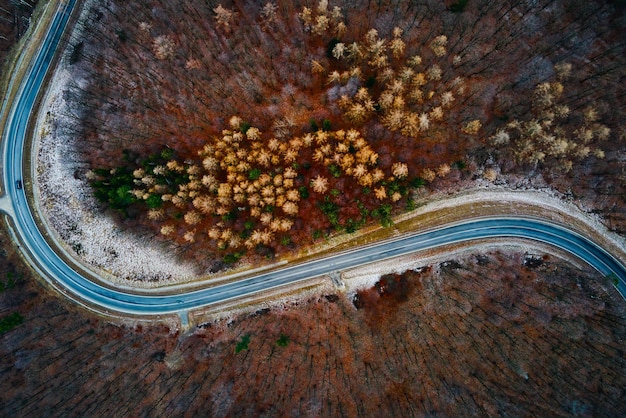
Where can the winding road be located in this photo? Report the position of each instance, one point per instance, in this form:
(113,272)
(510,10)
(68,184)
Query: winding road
(14,203)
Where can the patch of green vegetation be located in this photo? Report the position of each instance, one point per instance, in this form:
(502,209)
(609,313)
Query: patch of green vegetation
(417,182)
(254,174)
(167,153)
(334,170)
(114,187)
(230,216)
(244,126)
(9,284)
(243,343)
(459,165)
(383,214)
(9,322)
(283,341)
(304,192)
(154,201)
(232,258)
(331,210)
(459,6)
(353,225)
(396,186)
(363,210)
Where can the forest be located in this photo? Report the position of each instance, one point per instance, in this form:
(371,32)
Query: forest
(241,129)
(487,334)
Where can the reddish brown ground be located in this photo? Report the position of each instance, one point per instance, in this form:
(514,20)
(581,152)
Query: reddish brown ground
(481,336)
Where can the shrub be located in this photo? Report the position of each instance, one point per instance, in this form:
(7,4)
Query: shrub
(243,343)
(458,7)
(283,341)
(10,321)
(254,174)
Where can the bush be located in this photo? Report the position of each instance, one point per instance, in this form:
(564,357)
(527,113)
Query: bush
(282,341)
(244,126)
(304,192)
(232,258)
(417,182)
(459,6)
(9,322)
(254,174)
(243,343)
(334,170)
(154,201)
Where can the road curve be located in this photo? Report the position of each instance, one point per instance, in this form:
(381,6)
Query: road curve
(104,299)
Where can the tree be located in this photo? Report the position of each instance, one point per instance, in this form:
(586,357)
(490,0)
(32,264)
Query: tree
(290,208)
(167,230)
(319,184)
(338,50)
(380,193)
(223,16)
(428,174)
(443,170)
(269,12)
(163,47)
(438,45)
(472,127)
(400,170)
